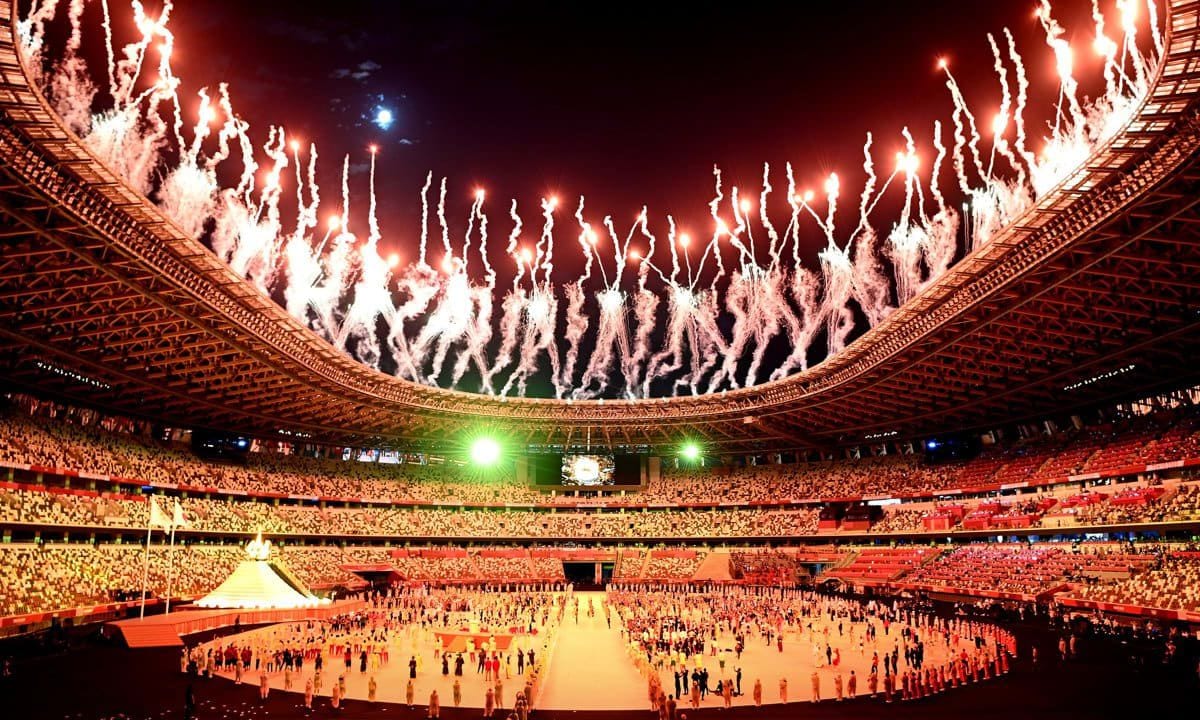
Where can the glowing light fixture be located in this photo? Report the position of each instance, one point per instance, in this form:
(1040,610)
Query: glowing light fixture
(485,451)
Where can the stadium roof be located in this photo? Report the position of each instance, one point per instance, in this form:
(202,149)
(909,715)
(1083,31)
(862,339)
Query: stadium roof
(1092,296)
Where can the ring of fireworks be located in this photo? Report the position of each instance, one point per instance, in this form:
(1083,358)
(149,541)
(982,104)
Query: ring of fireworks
(654,308)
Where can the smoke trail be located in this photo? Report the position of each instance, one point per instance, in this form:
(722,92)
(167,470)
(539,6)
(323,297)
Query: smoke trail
(513,237)
(904,240)
(645,309)
(1022,98)
(71,89)
(441,215)
(488,271)
(941,233)
(587,238)
(960,111)
(738,299)
(425,219)
(512,312)
(667,361)
(478,336)
(772,235)
(805,293)
(771,311)
(577,325)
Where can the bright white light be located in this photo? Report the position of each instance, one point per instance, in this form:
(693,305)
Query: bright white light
(384,118)
(832,184)
(999,123)
(485,451)
(610,300)
(539,309)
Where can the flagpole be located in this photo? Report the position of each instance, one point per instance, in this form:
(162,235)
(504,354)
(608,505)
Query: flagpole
(145,569)
(170,567)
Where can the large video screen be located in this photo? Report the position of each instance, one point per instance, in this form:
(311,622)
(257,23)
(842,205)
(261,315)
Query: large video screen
(587,470)
(545,468)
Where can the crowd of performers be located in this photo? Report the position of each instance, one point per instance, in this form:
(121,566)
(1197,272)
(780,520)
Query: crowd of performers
(398,626)
(697,638)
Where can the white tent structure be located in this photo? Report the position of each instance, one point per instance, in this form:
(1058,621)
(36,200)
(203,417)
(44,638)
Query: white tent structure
(257,583)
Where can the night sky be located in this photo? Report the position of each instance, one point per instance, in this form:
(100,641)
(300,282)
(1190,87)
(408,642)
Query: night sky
(628,104)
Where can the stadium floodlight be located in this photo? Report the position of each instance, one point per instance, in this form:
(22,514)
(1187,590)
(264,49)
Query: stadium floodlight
(485,451)
(690,451)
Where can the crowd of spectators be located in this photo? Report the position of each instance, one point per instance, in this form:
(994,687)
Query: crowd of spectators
(51,506)
(1182,505)
(51,436)
(630,563)
(673,567)
(547,568)
(39,505)
(46,577)
(39,578)
(55,442)
(460,568)
(1024,569)
(35,506)
(764,567)
(319,566)
(900,521)
(1171,583)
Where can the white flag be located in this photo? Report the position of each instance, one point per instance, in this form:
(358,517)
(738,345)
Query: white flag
(158,518)
(178,520)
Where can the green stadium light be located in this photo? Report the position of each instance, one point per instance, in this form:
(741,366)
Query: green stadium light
(485,451)
(690,452)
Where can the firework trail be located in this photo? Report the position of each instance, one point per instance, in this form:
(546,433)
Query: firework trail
(805,291)
(739,302)
(479,332)
(941,231)
(372,299)
(303,260)
(577,325)
(188,193)
(612,333)
(645,310)
(773,312)
(577,321)
(422,259)
(905,241)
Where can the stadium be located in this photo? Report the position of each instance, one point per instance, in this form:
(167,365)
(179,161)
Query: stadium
(922,440)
